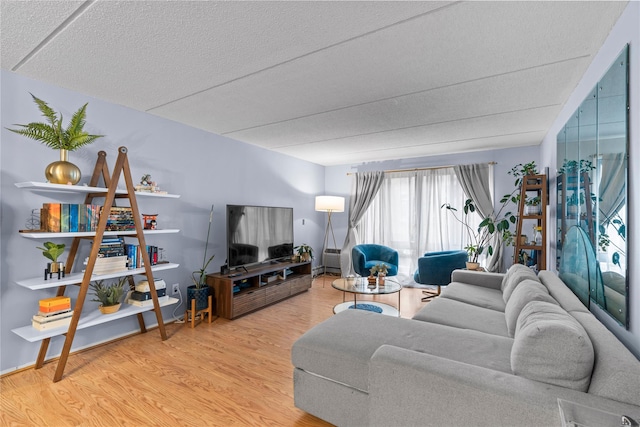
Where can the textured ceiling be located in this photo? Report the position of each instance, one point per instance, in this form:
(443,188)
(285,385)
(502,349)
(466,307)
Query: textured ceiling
(328,82)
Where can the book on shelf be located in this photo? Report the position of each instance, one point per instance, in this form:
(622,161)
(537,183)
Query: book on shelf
(120,219)
(53,313)
(51,305)
(147,303)
(134,253)
(108,265)
(52,220)
(144,296)
(66,217)
(51,325)
(52,318)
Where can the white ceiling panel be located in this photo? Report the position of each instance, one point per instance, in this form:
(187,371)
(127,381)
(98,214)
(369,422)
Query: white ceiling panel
(26,24)
(496,95)
(328,82)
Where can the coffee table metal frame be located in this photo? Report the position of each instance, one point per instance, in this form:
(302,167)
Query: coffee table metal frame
(360,286)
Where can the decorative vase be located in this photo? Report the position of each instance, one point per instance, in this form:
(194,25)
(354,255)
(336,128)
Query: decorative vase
(472,265)
(381,279)
(305,257)
(371,280)
(63,171)
(200,295)
(110,309)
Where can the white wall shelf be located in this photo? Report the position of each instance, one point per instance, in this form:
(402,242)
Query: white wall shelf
(93,318)
(86,189)
(75,278)
(131,233)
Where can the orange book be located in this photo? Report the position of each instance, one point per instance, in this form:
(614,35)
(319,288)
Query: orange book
(48,302)
(55,308)
(53,217)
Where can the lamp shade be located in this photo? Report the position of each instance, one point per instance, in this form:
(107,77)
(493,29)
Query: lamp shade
(329,204)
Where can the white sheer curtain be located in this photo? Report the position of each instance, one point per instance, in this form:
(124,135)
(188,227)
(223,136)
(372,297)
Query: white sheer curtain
(407,215)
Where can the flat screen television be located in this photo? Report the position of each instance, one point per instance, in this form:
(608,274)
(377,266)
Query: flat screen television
(257,234)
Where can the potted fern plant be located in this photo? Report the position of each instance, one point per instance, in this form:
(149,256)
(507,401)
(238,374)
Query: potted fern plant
(53,135)
(108,295)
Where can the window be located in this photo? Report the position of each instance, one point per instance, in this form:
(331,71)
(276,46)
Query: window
(407,215)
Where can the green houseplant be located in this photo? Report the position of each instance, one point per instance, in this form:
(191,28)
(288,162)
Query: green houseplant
(496,224)
(199,290)
(305,252)
(52,251)
(108,295)
(53,135)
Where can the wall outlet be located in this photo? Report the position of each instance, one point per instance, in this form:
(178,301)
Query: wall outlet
(175,288)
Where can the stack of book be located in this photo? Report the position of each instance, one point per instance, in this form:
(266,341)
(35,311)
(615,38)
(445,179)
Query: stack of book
(65,217)
(120,219)
(112,257)
(141,297)
(53,313)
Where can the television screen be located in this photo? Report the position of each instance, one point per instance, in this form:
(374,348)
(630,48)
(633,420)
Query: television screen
(257,234)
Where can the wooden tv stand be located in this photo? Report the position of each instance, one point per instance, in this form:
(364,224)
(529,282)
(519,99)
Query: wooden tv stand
(258,287)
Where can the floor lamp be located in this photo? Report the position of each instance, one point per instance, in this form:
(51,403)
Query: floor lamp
(328,204)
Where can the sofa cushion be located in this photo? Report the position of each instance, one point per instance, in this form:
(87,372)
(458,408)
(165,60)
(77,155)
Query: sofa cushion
(446,311)
(560,292)
(528,290)
(516,274)
(475,295)
(616,372)
(340,348)
(552,347)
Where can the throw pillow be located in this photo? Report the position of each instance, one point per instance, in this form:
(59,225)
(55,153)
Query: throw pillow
(528,290)
(552,347)
(516,274)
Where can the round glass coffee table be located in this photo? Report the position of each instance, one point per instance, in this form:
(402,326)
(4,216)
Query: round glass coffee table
(360,286)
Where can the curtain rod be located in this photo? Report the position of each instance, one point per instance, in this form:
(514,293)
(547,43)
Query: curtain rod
(420,169)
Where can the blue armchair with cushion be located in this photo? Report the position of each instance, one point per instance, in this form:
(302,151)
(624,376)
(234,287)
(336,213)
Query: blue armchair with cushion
(366,256)
(435,268)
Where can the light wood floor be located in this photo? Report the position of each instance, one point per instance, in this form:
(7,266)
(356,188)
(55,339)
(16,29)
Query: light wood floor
(228,373)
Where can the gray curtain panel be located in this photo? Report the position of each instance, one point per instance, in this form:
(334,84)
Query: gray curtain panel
(364,188)
(475,181)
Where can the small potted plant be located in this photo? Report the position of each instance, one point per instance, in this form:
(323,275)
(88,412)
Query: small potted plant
(532,206)
(305,252)
(108,295)
(52,251)
(379,270)
(53,135)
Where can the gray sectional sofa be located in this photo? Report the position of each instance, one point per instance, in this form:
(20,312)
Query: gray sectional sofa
(492,350)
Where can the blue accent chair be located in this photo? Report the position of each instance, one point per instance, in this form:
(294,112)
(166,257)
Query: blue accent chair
(435,268)
(366,256)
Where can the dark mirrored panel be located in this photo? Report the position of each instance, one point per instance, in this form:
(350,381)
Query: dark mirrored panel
(592,151)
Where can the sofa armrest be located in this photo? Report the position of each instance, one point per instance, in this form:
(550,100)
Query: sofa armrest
(478,278)
(411,388)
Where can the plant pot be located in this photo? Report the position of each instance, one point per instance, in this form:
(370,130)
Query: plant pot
(200,295)
(381,279)
(63,171)
(110,309)
(473,265)
(305,257)
(532,210)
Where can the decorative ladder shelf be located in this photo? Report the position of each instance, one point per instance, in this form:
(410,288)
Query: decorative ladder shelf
(110,193)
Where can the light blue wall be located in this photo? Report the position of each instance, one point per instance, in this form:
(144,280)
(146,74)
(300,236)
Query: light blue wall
(626,30)
(202,167)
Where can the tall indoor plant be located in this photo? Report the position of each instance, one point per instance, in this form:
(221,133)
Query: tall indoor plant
(53,135)
(199,290)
